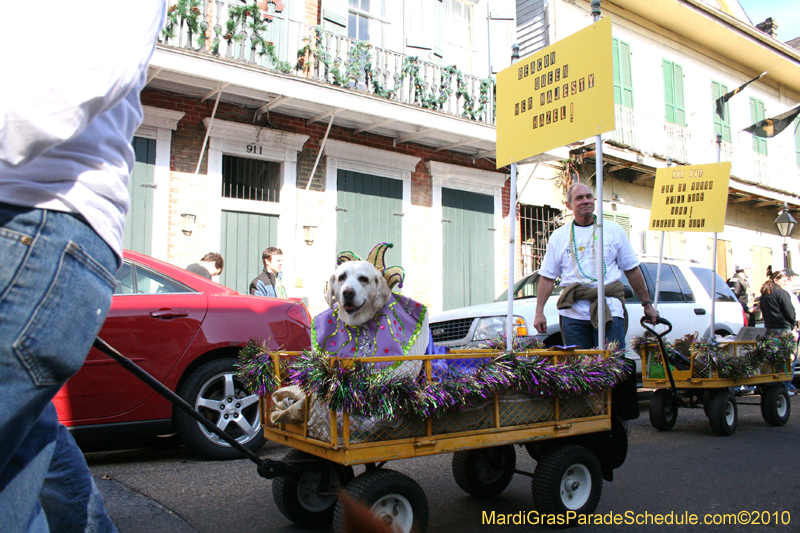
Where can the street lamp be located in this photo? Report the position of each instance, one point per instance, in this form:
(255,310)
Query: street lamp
(785,224)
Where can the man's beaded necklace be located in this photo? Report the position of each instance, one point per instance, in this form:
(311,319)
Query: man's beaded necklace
(593,244)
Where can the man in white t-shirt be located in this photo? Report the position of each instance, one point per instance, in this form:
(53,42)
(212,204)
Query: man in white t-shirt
(572,254)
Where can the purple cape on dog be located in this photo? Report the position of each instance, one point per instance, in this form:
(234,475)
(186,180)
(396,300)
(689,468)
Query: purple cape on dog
(392,331)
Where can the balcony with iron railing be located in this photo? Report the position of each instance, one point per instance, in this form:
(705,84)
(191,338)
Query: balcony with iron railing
(653,136)
(250,35)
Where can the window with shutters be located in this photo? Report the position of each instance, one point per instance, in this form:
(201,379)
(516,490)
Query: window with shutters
(250,179)
(722,125)
(623,81)
(674,107)
(757,114)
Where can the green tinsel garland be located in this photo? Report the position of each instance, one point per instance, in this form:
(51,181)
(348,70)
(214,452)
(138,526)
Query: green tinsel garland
(364,390)
(713,357)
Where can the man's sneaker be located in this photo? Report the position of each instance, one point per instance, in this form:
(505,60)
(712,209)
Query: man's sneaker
(745,390)
(791,393)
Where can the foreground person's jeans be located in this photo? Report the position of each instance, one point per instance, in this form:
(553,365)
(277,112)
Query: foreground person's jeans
(55,291)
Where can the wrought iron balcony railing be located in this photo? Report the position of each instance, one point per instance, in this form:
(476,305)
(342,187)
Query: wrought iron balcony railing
(266,38)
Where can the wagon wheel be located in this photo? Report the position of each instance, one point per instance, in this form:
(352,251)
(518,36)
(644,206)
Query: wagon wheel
(722,413)
(567,478)
(391,496)
(485,473)
(663,410)
(300,497)
(775,405)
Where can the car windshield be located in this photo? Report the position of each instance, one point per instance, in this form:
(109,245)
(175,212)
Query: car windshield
(526,288)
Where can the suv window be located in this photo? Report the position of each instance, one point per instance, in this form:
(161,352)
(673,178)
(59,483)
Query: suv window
(670,287)
(724,293)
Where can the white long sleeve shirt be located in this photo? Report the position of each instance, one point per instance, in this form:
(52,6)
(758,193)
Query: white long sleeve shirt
(69,106)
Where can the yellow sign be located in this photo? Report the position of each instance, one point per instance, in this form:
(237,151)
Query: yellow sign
(558,95)
(691,198)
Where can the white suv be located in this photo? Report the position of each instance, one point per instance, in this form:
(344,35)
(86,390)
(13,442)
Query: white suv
(684,300)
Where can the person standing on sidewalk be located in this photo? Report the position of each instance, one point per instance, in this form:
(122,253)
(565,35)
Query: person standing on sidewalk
(778,310)
(67,117)
(269,282)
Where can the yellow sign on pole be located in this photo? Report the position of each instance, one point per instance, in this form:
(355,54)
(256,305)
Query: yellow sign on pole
(691,198)
(558,95)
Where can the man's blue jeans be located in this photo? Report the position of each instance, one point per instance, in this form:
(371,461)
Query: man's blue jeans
(56,284)
(582,334)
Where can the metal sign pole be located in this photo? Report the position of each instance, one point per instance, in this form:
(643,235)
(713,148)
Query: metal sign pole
(600,255)
(714,259)
(512,236)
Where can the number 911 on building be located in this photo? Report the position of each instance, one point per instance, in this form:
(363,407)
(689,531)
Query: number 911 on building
(690,198)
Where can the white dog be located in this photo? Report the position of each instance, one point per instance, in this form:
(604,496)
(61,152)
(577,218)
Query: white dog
(361,291)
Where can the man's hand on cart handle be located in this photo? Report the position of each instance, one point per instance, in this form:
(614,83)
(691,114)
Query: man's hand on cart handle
(650,312)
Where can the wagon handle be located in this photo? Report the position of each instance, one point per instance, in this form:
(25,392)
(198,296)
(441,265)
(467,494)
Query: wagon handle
(659,320)
(664,356)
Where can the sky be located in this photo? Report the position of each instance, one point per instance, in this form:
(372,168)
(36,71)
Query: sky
(785,12)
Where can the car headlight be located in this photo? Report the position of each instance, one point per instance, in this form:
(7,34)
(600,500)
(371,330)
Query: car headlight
(493,326)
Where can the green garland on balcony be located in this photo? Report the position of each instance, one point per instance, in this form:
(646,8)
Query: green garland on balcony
(185,11)
(250,17)
(359,64)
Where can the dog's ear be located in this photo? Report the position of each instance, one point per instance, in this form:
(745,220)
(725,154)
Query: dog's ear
(329,290)
(383,293)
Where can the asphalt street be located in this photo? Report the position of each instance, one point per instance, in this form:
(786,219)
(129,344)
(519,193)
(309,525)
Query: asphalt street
(688,470)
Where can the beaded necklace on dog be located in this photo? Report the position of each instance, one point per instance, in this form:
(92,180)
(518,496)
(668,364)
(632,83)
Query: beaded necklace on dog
(593,244)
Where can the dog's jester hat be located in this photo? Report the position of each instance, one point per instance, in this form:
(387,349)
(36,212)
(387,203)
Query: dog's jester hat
(394,275)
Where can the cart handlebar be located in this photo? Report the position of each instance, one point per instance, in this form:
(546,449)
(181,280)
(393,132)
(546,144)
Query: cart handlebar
(659,320)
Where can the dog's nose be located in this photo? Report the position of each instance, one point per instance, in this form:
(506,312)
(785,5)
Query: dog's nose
(348,293)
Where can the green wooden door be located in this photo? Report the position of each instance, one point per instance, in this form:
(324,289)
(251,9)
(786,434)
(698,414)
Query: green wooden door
(468,246)
(243,237)
(369,210)
(138,234)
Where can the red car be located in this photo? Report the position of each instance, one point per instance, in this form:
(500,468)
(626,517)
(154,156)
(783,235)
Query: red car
(186,331)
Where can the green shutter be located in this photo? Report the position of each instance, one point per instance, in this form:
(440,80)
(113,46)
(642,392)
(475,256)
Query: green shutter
(674,107)
(334,16)
(669,92)
(369,211)
(623,220)
(138,235)
(626,78)
(721,126)
(617,77)
(438,29)
(797,141)
(757,114)
(680,106)
(468,248)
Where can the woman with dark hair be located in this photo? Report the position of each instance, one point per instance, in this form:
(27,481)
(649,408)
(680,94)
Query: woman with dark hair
(777,308)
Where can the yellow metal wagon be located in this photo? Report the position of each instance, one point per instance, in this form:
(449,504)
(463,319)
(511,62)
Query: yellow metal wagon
(574,440)
(690,383)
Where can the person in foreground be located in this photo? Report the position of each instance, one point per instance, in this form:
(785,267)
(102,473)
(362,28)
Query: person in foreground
(209,266)
(572,254)
(66,126)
